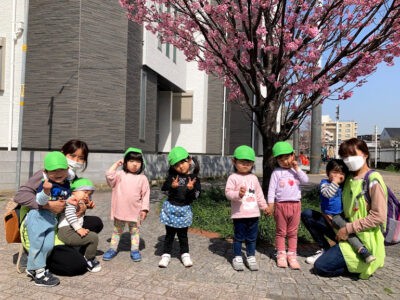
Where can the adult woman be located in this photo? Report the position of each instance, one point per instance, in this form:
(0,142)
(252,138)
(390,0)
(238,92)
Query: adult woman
(63,260)
(363,219)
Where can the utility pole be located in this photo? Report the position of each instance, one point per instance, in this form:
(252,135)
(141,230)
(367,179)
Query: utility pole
(316,144)
(337,133)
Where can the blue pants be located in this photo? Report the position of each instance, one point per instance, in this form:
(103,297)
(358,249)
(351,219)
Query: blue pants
(331,263)
(318,227)
(245,230)
(41,226)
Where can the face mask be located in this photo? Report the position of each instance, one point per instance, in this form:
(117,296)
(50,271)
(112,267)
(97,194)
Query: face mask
(354,163)
(75,166)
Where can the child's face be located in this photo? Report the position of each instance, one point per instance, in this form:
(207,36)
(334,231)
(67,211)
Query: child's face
(286,160)
(57,176)
(243,166)
(83,195)
(133,165)
(336,176)
(183,166)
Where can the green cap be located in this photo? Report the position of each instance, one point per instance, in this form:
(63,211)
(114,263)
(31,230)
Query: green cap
(82,184)
(54,161)
(177,154)
(132,149)
(281,148)
(244,152)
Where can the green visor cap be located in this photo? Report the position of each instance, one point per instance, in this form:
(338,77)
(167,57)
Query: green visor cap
(82,184)
(177,154)
(54,161)
(281,148)
(244,152)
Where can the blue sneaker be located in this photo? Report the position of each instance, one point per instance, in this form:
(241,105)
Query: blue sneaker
(135,255)
(109,254)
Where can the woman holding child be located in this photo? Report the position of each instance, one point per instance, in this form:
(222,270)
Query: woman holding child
(363,218)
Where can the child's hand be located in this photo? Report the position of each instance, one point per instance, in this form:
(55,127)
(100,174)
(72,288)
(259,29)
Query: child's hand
(269,211)
(47,187)
(175,182)
(83,232)
(73,201)
(142,216)
(119,162)
(337,177)
(190,184)
(242,191)
(90,204)
(295,165)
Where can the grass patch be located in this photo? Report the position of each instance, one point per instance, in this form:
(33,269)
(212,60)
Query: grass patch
(212,212)
(392,168)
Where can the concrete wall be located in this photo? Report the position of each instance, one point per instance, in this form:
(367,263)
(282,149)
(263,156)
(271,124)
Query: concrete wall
(156,166)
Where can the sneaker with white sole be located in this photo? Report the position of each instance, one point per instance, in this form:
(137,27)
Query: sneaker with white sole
(237,263)
(252,263)
(164,262)
(186,260)
(311,259)
(46,279)
(93,265)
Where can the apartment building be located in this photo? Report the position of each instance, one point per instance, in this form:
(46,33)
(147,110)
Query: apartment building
(343,130)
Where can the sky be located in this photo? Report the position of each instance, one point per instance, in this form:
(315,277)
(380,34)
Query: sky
(376,103)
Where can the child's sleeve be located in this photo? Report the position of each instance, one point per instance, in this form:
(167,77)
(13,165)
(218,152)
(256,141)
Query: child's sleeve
(328,189)
(262,203)
(303,178)
(70,216)
(42,198)
(145,194)
(231,193)
(272,187)
(167,184)
(194,193)
(111,178)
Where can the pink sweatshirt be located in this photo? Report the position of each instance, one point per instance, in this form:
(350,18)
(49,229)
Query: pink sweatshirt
(130,195)
(284,185)
(250,204)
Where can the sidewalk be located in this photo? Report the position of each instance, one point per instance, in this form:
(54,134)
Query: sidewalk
(211,276)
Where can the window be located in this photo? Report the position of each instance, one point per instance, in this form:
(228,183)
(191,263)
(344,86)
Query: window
(2,62)
(142,106)
(182,109)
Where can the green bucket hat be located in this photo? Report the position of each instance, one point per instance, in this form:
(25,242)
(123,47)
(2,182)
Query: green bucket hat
(281,148)
(82,184)
(177,154)
(54,161)
(132,149)
(244,152)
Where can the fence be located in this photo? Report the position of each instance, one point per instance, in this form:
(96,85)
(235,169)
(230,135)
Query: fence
(385,155)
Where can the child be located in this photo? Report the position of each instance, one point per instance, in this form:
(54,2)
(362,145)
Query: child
(70,227)
(331,204)
(130,200)
(284,190)
(244,191)
(41,223)
(183,187)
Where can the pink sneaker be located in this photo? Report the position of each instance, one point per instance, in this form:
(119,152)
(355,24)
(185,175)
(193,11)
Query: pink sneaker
(292,260)
(281,259)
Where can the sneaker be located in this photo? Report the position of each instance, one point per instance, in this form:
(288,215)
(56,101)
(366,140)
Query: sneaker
(311,259)
(281,259)
(252,263)
(292,261)
(136,256)
(165,258)
(46,279)
(237,263)
(109,254)
(368,257)
(30,273)
(93,265)
(186,260)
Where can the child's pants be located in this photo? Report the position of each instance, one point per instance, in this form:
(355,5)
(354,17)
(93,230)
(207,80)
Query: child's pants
(287,218)
(40,224)
(71,238)
(354,241)
(119,228)
(245,230)
(182,234)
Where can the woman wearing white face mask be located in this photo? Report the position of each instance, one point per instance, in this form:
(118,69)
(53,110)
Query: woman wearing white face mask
(363,219)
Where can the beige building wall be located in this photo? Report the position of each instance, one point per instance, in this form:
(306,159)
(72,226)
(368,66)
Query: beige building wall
(346,130)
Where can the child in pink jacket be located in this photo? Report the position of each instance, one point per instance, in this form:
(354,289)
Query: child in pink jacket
(130,200)
(244,191)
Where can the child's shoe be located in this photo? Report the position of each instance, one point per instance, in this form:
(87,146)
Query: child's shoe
(311,259)
(186,260)
(45,278)
(165,258)
(136,256)
(281,259)
(292,260)
(368,257)
(252,263)
(110,254)
(237,263)
(93,265)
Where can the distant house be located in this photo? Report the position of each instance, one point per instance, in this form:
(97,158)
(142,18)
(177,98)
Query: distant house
(390,137)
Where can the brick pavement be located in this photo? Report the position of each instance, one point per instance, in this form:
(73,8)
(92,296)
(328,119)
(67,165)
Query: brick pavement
(211,277)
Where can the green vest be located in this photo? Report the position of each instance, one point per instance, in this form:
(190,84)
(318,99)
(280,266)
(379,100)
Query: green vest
(355,208)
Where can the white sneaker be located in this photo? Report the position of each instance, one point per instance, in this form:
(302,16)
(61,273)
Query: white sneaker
(187,262)
(252,263)
(165,258)
(237,263)
(311,259)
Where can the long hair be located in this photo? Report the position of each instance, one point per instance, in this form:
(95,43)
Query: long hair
(349,147)
(133,156)
(71,146)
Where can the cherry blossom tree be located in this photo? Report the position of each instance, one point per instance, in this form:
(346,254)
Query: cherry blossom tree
(278,55)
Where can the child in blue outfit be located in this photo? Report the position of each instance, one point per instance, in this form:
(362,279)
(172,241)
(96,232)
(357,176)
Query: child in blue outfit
(41,223)
(331,206)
